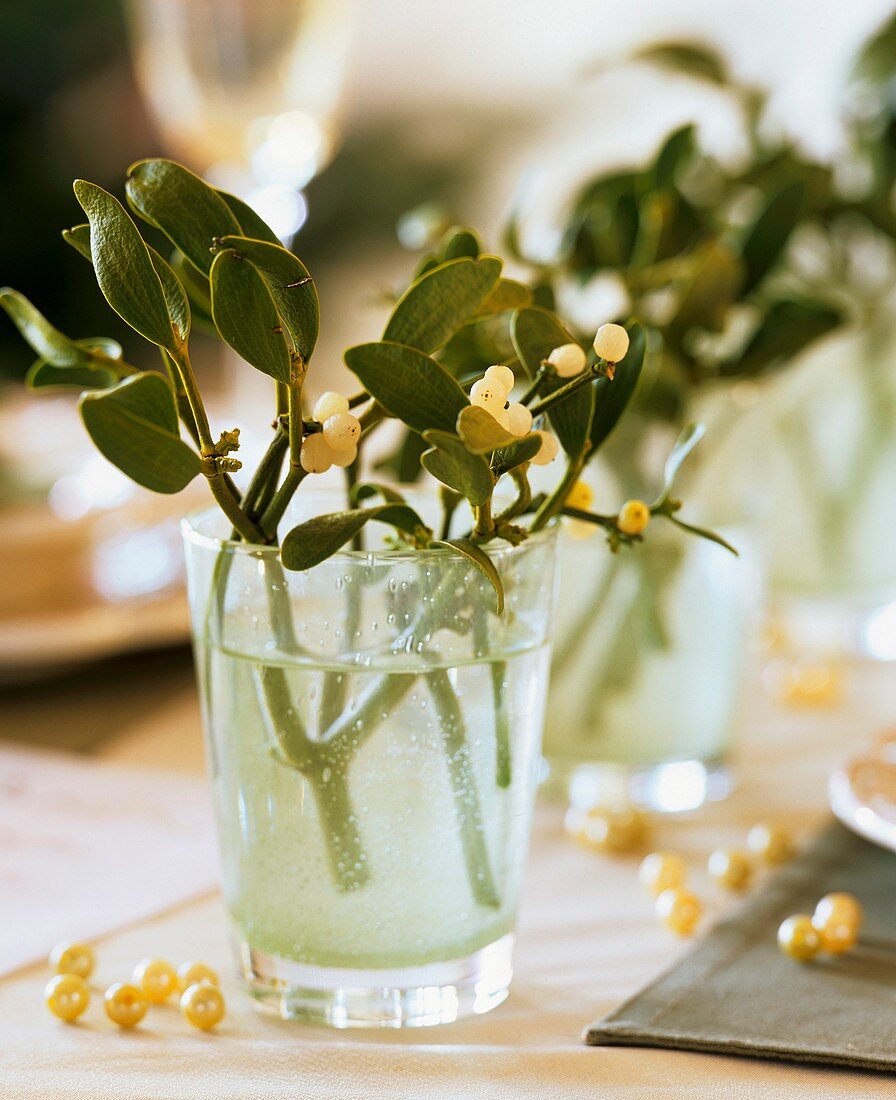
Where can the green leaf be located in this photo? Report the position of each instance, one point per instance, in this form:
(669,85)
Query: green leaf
(689,58)
(678,147)
(523,450)
(252,224)
(364,490)
(124,269)
(441,302)
(686,442)
(102,347)
(768,236)
(246,317)
(290,286)
(450,462)
(787,329)
(176,301)
(49,343)
(612,397)
(408,384)
(189,212)
(535,333)
(703,533)
(508,294)
(458,242)
(197,288)
(79,238)
(134,424)
(711,281)
(317,539)
(481,560)
(46,376)
(481,433)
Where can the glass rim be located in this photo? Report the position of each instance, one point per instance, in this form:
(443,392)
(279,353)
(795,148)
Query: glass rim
(500,551)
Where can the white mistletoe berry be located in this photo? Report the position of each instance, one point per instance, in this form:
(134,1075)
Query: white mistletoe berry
(501,377)
(317,455)
(345,456)
(329,404)
(548,450)
(611,343)
(487,395)
(342,430)
(568,360)
(519,419)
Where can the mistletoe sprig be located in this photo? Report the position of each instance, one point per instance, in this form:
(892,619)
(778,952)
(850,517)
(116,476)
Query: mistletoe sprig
(226,270)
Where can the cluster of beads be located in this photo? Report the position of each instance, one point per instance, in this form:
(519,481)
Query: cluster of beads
(336,444)
(664,875)
(610,344)
(832,929)
(155,981)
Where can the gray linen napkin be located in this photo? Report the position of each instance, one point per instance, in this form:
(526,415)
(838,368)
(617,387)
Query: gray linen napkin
(735,993)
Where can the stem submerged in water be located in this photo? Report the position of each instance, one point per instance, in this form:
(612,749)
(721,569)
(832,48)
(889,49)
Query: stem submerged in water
(463,785)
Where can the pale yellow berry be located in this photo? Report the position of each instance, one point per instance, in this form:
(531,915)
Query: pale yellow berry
(203,1005)
(341,431)
(329,404)
(157,978)
(731,869)
(838,909)
(770,843)
(192,973)
(67,996)
(633,517)
(614,830)
(680,911)
(72,957)
(548,451)
(662,871)
(581,496)
(126,1004)
(519,419)
(799,938)
(345,456)
(568,360)
(501,377)
(317,455)
(611,343)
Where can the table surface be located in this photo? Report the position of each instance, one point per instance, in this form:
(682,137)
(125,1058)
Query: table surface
(587,939)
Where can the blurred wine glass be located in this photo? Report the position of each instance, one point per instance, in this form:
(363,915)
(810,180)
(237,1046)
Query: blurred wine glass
(247,92)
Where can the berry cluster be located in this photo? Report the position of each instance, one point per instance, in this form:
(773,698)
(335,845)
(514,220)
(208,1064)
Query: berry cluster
(336,444)
(492,393)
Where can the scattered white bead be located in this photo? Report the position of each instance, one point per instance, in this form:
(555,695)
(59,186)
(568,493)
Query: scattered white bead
(549,449)
(317,455)
(329,404)
(568,360)
(611,343)
(341,431)
(501,377)
(519,419)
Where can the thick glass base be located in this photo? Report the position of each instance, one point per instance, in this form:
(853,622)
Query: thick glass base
(438,993)
(674,786)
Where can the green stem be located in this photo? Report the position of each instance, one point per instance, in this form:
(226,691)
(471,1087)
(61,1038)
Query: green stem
(296,382)
(340,828)
(223,494)
(498,674)
(265,476)
(554,502)
(463,785)
(534,386)
(563,392)
(270,520)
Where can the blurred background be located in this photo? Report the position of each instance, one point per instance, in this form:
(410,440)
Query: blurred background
(360,130)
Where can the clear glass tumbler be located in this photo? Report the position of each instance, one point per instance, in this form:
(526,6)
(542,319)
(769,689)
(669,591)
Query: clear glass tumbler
(649,652)
(373,733)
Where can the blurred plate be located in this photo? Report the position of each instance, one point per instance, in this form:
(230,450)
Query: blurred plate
(863,793)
